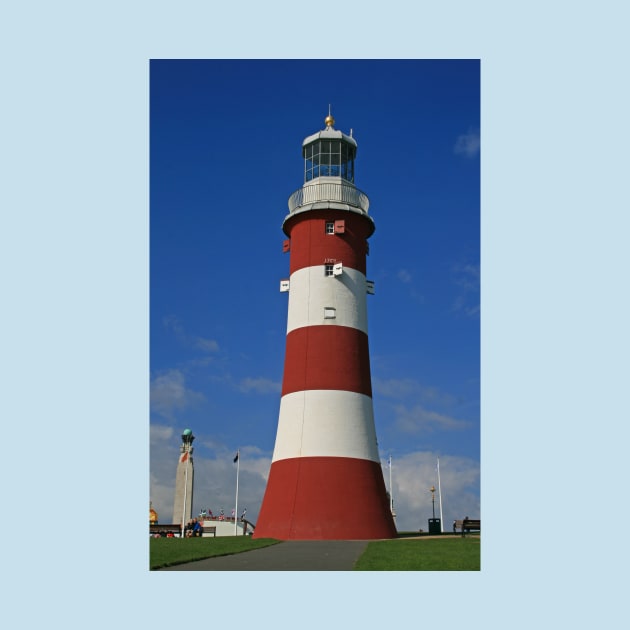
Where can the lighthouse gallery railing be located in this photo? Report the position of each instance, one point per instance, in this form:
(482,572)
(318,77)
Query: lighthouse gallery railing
(329,191)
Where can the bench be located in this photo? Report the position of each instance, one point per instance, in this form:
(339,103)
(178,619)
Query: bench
(174,528)
(471,525)
(210,529)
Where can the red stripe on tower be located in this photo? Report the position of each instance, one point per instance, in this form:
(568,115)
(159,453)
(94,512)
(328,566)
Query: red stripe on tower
(327,357)
(311,241)
(326,480)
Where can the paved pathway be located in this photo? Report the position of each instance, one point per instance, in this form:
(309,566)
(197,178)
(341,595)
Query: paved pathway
(293,555)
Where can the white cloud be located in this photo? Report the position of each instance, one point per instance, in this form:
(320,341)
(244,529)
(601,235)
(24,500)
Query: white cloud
(260,385)
(400,388)
(470,310)
(468,144)
(466,278)
(395,387)
(214,479)
(201,343)
(404,276)
(160,433)
(169,394)
(417,419)
(207,345)
(171,322)
(415,473)
(412,476)
(162,494)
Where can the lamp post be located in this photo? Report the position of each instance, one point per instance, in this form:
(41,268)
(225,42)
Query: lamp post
(435,524)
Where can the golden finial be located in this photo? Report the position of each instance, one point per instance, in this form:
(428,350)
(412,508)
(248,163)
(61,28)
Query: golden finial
(329,120)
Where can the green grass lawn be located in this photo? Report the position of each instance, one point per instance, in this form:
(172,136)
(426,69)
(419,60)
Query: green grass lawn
(166,552)
(450,553)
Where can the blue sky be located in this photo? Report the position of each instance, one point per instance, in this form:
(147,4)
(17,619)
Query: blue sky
(225,154)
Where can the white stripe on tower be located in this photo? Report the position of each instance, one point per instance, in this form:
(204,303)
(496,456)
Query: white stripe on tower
(312,292)
(326,423)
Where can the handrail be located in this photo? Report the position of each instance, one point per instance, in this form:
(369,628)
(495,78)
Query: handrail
(328,191)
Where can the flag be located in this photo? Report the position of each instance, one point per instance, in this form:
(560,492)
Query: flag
(236,457)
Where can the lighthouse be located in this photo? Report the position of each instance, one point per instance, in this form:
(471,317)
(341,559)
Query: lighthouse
(325,480)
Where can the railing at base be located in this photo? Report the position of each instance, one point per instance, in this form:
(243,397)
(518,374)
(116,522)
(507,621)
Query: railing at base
(329,191)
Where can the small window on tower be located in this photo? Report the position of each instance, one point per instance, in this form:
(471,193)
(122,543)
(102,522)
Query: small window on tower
(329,312)
(330,227)
(329,270)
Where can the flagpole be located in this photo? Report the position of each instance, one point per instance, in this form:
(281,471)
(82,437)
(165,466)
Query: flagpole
(238,465)
(391,491)
(440,496)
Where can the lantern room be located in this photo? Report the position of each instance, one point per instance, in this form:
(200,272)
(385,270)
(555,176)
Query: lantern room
(329,153)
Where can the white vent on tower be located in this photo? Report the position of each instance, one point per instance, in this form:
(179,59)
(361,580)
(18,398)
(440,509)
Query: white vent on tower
(330,312)
(338,269)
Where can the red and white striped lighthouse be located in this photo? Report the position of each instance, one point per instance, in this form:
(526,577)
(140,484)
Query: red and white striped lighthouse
(325,480)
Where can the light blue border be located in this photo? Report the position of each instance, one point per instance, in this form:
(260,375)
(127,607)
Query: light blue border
(75,344)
